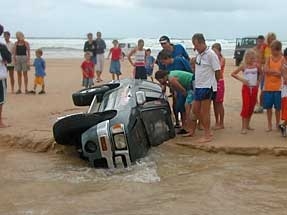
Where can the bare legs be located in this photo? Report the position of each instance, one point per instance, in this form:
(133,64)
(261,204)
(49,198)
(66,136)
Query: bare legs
(12,79)
(19,76)
(2,125)
(219,115)
(202,111)
(269,119)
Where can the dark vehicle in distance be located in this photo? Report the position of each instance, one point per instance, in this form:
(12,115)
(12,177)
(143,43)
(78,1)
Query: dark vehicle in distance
(124,120)
(242,44)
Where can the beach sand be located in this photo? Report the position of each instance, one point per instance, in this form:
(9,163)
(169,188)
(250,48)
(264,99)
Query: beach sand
(31,117)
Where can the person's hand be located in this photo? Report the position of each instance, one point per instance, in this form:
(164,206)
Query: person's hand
(245,82)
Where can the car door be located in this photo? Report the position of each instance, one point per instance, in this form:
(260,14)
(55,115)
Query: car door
(156,117)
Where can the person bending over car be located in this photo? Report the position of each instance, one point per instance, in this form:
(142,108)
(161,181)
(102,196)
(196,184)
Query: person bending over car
(180,81)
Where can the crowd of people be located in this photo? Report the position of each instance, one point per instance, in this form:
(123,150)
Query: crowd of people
(193,83)
(16,57)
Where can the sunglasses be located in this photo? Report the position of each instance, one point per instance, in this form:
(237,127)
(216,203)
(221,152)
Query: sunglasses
(163,43)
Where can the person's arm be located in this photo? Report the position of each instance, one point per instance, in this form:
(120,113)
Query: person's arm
(85,47)
(235,75)
(176,85)
(130,56)
(5,54)
(104,45)
(28,52)
(109,54)
(14,52)
(44,64)
(284,72)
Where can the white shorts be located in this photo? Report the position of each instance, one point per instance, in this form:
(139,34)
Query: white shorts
(100,62)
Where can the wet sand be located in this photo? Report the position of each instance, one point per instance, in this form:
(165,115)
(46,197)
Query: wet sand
(31,116)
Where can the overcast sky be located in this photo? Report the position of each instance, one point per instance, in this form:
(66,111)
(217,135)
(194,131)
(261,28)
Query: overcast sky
(145,18)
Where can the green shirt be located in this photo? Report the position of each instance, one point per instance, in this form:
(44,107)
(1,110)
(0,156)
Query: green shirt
(184,78)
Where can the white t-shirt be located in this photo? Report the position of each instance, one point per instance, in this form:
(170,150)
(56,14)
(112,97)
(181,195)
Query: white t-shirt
(251,75)
(206,64)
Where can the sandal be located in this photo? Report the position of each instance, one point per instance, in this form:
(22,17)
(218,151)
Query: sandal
(42,92)
(18,92)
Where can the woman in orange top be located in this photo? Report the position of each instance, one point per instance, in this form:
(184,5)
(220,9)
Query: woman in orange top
(273,83)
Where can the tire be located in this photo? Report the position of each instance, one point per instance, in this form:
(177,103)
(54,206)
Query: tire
(68,130)
(85,97)
(238,61)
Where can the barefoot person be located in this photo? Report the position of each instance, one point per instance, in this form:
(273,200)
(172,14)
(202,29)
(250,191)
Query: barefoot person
(180,81)
(207,73)
(273,83)
(21,55)
(218,99)
(283,125)
(5,57)
(10,66)
(250,80)
(100,53)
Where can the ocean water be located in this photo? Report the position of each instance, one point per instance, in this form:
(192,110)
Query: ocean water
(73,47)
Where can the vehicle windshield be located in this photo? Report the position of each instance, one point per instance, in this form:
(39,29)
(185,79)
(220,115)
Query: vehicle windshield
(246,42)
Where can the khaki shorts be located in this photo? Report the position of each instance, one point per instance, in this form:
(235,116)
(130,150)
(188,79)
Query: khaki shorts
(100,62)
(21,64)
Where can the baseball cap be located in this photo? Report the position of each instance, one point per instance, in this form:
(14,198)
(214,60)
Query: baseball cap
(164,39)
(1,29)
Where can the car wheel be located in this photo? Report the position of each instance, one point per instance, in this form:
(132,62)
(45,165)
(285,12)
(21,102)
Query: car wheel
(237,61)
(85,97)
(68,130)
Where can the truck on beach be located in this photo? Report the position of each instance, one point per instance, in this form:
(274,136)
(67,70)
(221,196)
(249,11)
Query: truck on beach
(242,44)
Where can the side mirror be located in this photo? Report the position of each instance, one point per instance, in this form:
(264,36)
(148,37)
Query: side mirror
(140,97)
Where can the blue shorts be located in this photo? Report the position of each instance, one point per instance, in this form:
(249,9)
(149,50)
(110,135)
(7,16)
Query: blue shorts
(180,103)
(272,98)
(115,67)
(201,94)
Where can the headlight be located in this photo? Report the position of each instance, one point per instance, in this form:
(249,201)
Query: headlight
(90,147)
(120,141)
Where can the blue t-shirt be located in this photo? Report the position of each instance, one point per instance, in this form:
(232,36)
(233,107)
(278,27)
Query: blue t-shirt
(179,63)
(178,50)
(40,66)
(149,62)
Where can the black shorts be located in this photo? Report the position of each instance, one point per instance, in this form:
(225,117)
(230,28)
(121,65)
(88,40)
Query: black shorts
(140,73)
(3,91)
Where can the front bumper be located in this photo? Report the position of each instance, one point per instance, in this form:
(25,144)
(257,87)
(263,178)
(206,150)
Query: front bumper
(103,136)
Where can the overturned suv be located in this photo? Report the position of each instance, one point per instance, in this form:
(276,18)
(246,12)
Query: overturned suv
(123,121)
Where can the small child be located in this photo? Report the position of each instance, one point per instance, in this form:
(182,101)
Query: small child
(273,83)
(251,79)
(218,100)
(88,71)
(149,63)
(40,73)
(284,96)
(139,60)
(115,67)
